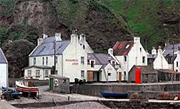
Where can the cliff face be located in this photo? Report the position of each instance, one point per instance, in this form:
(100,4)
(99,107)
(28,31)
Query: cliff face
(29,19)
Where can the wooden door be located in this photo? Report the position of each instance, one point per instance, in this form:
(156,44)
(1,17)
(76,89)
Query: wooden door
(120,76)
(90,76)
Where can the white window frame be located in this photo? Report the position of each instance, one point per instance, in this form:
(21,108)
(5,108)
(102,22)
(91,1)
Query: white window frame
(46,60)
(82,74)
(46,73)
(34,61)
(37,73)
(29,74)
(43,61)
(82,60)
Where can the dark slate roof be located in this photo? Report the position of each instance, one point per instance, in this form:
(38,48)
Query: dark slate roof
(100,59)
(122,48)
(145,69)
(2,57)
(168,50)
(40,67)
(47,47)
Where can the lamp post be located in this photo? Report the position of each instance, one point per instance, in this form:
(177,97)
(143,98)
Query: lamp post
(54,68)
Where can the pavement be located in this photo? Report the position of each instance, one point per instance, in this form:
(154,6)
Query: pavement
(5,105)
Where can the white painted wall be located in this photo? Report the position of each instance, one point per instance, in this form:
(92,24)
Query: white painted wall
(39,61)
(177,62)
(33,73)
(160,62)
(3,75)
(72,60)
(109,69)
(134,57)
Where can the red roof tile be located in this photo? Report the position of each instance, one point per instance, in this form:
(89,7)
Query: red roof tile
(122,48)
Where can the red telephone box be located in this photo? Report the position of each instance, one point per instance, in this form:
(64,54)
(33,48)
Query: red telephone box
(138,75)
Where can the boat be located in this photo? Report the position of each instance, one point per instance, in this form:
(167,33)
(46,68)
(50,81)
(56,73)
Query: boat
(8,93)
(27,87)
(114,95)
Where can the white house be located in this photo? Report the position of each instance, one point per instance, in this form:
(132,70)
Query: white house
(172,59)
(102,68)
(3,70)
(72,57)
(177,62)
(129,53)
(160,62)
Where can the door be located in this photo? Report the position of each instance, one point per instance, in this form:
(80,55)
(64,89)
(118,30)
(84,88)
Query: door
(120,76)
(90,76)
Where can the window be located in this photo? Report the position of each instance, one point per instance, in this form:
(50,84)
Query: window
(34,61)
(29,72)
(92,64)
(140,49)
(113,63)
(127,46)
(82,60)
(46,73)
(177,64)
(143,59)
(56,59)
(84,47)
(124,75)
(125,59)
(82,73)
(109,74)
(37,73)
(46,60)
(42,60)
(88,61)
(176,70)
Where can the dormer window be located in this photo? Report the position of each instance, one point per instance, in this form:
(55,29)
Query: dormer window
(127,46)
(113,62)
(88,61)
(92,64)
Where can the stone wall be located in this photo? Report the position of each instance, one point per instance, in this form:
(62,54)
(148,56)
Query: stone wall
(151,90)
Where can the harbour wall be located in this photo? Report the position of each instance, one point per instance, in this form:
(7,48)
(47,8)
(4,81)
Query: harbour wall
(151,90)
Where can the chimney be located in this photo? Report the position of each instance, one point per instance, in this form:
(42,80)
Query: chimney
(160,51)
(153,51)
(58,37)
(74,37)
(110,51)
(45,36)
(167,43)
(136,39)
(39,41)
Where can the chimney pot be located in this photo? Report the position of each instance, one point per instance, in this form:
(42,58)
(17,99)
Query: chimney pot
(58,37)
